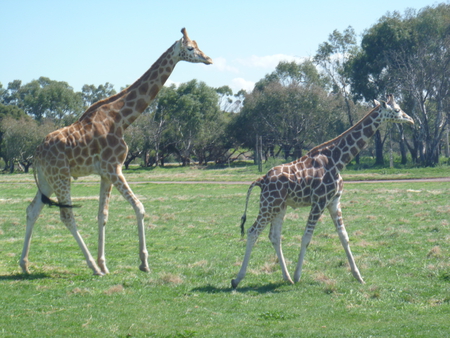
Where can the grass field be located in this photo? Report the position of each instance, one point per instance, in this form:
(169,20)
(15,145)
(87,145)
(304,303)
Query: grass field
(399,233)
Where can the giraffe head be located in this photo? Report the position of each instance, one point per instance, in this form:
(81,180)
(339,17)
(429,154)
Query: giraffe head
(190,52)
(392,112)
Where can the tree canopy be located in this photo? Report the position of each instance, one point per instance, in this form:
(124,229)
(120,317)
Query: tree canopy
(293,108)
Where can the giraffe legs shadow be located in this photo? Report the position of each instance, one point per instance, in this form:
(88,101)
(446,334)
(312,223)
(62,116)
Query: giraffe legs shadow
(256,288)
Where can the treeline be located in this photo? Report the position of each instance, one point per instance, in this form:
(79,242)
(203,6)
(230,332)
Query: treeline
(294,108)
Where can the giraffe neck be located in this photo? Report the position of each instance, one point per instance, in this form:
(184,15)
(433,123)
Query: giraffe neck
(346,146)
(125,107)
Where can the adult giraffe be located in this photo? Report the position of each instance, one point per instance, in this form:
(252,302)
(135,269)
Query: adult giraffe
(313,180)
(95,145)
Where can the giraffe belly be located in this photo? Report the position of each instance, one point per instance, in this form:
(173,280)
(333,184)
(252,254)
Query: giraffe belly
(84,168)
(295,202)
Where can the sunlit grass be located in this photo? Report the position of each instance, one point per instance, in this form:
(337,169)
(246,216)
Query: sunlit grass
(399,234)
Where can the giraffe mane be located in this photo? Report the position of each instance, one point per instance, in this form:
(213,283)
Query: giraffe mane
(332,141)
(100,103)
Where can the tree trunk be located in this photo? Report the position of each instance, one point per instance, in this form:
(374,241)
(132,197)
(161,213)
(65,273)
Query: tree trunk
(379,160)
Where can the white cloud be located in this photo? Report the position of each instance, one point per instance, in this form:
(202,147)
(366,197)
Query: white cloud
(268,61)
(239,83)
(169,82)
(221,65)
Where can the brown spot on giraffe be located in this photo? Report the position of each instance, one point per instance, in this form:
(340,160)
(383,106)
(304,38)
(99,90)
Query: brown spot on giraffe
(317,184)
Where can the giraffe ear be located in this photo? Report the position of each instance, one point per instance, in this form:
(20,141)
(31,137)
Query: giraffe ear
(390,99)
(376,103)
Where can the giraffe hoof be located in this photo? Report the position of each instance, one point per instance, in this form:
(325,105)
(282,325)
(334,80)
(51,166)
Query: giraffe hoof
(234,284)
(144,268)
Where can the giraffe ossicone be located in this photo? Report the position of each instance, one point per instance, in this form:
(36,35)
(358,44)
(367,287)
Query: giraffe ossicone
(95,145)
(313,180)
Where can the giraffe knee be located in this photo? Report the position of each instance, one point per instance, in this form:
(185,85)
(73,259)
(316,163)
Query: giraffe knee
(139,209)
(274,237)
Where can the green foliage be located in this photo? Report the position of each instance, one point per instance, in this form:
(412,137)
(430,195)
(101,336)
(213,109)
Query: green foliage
(291,117)
(187,121)
(398,232)
(408,55)
(92,94)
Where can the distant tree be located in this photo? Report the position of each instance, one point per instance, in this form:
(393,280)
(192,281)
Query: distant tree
(193,110)
(45,98)
(334,57)
(291,108)
(92,94)
(409,55)
(135,139)
(10,111)
(20,139)
(11,94)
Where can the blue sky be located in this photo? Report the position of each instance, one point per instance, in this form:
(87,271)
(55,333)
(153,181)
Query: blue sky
(94,42)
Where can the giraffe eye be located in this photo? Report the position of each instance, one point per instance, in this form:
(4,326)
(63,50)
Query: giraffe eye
(190,49)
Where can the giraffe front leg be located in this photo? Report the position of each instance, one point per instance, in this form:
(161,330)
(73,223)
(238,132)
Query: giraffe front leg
(103,211)
(275,238)
(336,214)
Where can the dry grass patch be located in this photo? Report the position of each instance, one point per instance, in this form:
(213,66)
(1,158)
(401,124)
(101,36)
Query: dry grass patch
(79,291)
(435,252)
(329,284)
(170,278)
(203,263)
(114,289)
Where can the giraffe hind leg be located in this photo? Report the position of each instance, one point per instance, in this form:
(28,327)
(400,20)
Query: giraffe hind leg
(33,211)
(252,236)
(275,238)
(67,217)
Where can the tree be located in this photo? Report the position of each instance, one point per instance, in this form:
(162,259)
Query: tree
(409,55)
(290,108)
(20,139)
(45,98)
(194,113)
(334,56)
(424,75)
(92,94)
(8,111)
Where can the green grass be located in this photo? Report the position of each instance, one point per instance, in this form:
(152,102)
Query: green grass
(399,234)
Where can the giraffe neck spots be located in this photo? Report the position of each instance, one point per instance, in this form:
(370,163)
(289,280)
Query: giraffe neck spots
(346,146)
(143,91)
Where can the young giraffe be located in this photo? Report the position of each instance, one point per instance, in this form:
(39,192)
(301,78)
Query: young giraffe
(95,145)
(313,180)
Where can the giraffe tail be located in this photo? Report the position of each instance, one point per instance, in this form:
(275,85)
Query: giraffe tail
(244,216)
(45,199)
(51,203)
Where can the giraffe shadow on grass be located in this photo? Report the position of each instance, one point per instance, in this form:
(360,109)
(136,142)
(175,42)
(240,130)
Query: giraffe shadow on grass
(21,276)
(260,289)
